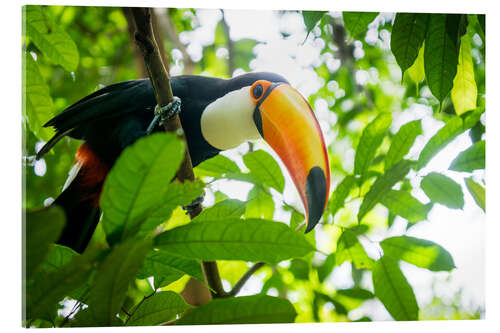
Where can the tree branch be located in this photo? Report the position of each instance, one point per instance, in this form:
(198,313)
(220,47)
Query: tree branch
(230,45)
(158,73)
(241,282)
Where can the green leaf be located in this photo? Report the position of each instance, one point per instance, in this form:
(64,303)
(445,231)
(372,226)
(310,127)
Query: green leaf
(57,257)
(477,191)
(340,194)
(326,267)
(393,290)
(370,140)
(177,194)
(311,18)
(356,292)
(405,205)
(50,38)
(350,249)
(300,269)
(417,70)
(243,53)
(234,239)
(43,227)
(402,142)
(257,309)
(49,288)
(221,210)
(265,169)
(440,55)
(167,268)
(112,279)
(419,252)
(383,185)
(453,127)
(471,159)
(481,18)
(357,22)
(259,204)
(464,91)
(38,106)
(443,190)
(86,318)
(408,34)
(218,166)
(137,183)
(158,309)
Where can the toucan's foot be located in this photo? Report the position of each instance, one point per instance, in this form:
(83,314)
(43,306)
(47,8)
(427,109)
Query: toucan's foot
(195,202)
(165,113)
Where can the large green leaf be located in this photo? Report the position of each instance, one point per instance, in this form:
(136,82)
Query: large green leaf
(419,252)
(234,239)
(108,290)
(441,54)
(259,204)
(49,288)
(372,137)
(464,91)
(408,34)
(167,268)
(471,159)
(443,190)
(405,205)
(393,290)
(453,127)
(402,142)
(50,38)
(217,166)
(350,249)
(477,191)
(311,18)
(257,309)
(157,309)
(137,183)
(265,169)
(340,194)
(43,227)
(383,185)
(357,22)
(224,209)
(39,107)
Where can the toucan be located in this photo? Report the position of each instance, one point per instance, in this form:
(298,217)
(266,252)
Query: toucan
(216,114)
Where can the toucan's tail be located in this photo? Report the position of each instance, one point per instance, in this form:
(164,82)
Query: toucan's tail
(80,199)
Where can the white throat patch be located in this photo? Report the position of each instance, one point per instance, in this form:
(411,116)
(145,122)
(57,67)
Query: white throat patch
(228,121)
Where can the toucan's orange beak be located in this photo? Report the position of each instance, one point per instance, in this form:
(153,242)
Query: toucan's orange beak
(287,123)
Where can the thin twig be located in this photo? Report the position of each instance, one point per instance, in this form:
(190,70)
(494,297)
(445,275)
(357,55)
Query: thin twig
(241,282)
(137,306)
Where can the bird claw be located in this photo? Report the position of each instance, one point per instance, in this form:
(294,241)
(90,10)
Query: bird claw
(195,202)
(165,113)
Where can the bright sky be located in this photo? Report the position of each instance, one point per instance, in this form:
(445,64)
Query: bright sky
(460,232)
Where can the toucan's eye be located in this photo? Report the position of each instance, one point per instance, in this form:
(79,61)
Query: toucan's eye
(257,91)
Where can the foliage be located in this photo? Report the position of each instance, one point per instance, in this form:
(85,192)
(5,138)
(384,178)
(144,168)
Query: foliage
(381,157)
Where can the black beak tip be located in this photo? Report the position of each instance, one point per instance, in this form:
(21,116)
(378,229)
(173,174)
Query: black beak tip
(316,196)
